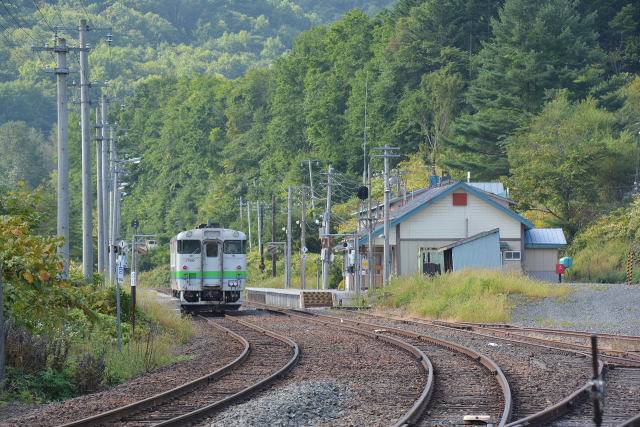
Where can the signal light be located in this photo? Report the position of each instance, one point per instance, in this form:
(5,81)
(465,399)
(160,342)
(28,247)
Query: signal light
(239,267)
(184,267)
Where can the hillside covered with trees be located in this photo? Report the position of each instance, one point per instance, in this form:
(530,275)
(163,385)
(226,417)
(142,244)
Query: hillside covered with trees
(541,95)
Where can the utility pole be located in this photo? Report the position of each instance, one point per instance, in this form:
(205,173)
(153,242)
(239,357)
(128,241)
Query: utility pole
(287,277)
(61,71)
(364,145)
(273,234)
(387,254)
(371,254)
(87,226)
(99,191)
(112,208)
(313,203)
(249,221)
(241,212)
(326,249)
(260,245)
(303,245)
(105,181)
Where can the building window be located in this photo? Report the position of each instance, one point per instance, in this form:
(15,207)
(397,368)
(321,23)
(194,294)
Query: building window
(512,255)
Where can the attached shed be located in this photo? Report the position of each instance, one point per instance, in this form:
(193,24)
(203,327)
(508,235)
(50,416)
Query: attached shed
(481,250)
(541,252)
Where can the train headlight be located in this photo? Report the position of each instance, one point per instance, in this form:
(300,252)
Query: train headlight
(184,267)
(239,267)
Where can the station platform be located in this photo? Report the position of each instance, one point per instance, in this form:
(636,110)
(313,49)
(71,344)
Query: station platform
(298,298)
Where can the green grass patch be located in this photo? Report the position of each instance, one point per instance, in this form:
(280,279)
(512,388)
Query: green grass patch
(468,295)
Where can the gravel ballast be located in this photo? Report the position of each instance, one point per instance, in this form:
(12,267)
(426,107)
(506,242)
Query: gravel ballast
(310,402)
(604,308)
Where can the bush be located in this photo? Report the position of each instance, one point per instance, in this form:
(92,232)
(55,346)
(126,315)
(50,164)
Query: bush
(40,386)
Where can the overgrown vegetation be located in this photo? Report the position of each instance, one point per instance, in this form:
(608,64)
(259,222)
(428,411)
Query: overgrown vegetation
(468,295)
(600,251)
(61,334)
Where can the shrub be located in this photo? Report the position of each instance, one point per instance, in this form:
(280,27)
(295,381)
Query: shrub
(89,374)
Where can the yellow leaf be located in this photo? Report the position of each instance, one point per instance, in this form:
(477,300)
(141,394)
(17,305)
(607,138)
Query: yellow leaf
(28,277)
(16,232)
(44,276)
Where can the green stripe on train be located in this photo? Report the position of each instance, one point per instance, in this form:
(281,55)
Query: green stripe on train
(209,274)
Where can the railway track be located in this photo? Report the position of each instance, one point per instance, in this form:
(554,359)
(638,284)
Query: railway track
(464,382)
(622,379)
(265,358)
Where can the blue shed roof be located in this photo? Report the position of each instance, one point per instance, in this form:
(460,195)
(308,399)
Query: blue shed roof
(541,238)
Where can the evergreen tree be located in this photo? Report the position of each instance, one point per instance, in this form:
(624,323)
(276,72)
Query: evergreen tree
(536,47)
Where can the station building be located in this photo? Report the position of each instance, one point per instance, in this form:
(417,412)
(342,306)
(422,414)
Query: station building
(458,225)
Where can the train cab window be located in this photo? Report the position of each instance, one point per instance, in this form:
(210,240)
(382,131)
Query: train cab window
(189,247)
(212,250)
(235,247)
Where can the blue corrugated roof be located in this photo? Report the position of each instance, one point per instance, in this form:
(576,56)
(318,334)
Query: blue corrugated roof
(540,238)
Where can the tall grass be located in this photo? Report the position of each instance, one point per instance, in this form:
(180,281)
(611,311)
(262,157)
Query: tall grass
(159,331)
(602,262)
(468,295)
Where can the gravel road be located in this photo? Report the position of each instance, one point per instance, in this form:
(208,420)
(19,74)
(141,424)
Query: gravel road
(605,308)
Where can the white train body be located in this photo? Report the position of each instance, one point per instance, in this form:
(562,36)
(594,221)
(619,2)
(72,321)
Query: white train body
(209,268)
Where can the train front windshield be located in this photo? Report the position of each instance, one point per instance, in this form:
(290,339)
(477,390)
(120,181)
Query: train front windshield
(188,247)
(235,247)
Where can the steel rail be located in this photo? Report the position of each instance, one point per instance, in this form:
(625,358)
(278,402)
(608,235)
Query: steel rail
(418,408)
(547,414)
(206,410)
(525,340)
(631,422)
(132,408)
(616,356)
(552,331)
(555,411)
(478,357)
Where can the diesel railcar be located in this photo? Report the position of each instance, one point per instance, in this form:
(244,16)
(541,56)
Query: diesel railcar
(208,268)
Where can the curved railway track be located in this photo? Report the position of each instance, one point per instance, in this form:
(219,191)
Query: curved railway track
(622,392)
(465,382)
(266,357)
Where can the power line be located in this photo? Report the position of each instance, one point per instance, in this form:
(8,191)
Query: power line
(42,14)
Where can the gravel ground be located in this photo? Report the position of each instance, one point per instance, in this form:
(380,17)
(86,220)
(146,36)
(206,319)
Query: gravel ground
(605,308)
(309,402)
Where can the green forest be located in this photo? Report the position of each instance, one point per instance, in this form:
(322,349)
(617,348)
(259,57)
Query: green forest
(543,96)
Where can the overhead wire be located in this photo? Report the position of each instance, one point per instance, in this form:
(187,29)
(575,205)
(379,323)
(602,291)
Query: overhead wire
(17,25)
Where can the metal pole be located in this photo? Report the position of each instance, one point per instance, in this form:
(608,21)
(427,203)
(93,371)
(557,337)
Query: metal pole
(105,180)
(134,280)
(99,190)
(118,313)
(260,245)
(303,244)
(273,234)
(112,206)
(327,223)
(371,255)
(249,221)
(2,368)
(385,267)
(287,279)
(241,213)
(63,153)
(313,203)
(596,387)
(318,273)
(364,145)
(356,261)
(87,238)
